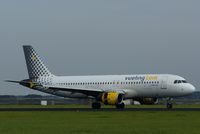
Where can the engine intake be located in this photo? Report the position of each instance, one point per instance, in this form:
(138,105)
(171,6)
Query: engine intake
(111,98)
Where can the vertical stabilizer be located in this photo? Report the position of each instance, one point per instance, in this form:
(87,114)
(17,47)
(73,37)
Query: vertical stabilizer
(35,66)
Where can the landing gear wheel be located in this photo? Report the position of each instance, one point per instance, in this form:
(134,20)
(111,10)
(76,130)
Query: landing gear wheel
(169,105)
(120,106)
(96,105)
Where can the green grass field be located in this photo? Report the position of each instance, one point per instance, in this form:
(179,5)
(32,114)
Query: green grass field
(103,106)
(136,122)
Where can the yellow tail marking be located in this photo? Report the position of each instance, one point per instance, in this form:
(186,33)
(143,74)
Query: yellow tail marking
(31,84)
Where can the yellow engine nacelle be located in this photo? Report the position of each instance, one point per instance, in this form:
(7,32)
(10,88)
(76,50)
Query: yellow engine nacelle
(111,98)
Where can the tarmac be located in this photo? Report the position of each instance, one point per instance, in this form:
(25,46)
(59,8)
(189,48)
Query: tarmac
(96,110)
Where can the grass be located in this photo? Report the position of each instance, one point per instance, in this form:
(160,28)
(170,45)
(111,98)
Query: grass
(103,106)
(165,122)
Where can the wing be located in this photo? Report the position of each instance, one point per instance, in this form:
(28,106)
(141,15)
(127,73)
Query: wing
(51,88)
(86,91)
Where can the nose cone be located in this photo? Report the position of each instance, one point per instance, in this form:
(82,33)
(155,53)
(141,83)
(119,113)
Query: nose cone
(190,89)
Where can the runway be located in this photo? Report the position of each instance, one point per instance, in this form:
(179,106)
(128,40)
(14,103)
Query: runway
(96,110)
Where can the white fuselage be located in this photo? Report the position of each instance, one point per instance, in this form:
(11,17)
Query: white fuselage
(107,89)
(141,85)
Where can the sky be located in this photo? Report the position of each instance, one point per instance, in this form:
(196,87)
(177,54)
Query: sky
(97,37)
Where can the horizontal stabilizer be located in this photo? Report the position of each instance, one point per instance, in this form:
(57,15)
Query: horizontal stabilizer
(12,81)
(26,83)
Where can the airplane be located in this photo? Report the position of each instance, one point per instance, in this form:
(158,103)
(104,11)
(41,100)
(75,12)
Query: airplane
(104,89)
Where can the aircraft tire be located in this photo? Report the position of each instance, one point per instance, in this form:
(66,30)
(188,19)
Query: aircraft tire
(120,106)
(96,105)
(169,105)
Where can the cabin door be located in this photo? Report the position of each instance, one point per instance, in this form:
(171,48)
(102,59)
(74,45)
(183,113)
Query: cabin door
(164,82)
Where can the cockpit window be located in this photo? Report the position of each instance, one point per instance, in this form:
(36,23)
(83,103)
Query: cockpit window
(180,81)
(184,81)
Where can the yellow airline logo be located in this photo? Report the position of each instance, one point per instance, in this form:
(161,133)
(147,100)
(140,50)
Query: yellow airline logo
(151,77)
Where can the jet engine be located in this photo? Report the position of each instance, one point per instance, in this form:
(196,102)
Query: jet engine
(147,101)
(111,98)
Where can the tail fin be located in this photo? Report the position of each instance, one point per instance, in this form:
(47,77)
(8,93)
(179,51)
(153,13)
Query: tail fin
(35,66)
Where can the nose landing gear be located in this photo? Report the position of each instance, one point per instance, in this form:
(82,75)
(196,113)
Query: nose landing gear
(169,104)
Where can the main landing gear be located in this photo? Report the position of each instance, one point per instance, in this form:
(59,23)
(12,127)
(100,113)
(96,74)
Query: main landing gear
(120,106)
(96,105)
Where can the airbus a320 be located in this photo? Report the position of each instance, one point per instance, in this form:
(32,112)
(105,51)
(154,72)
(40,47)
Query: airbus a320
(104,89)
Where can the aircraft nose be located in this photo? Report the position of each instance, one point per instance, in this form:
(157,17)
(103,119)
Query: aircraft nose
(190,89)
